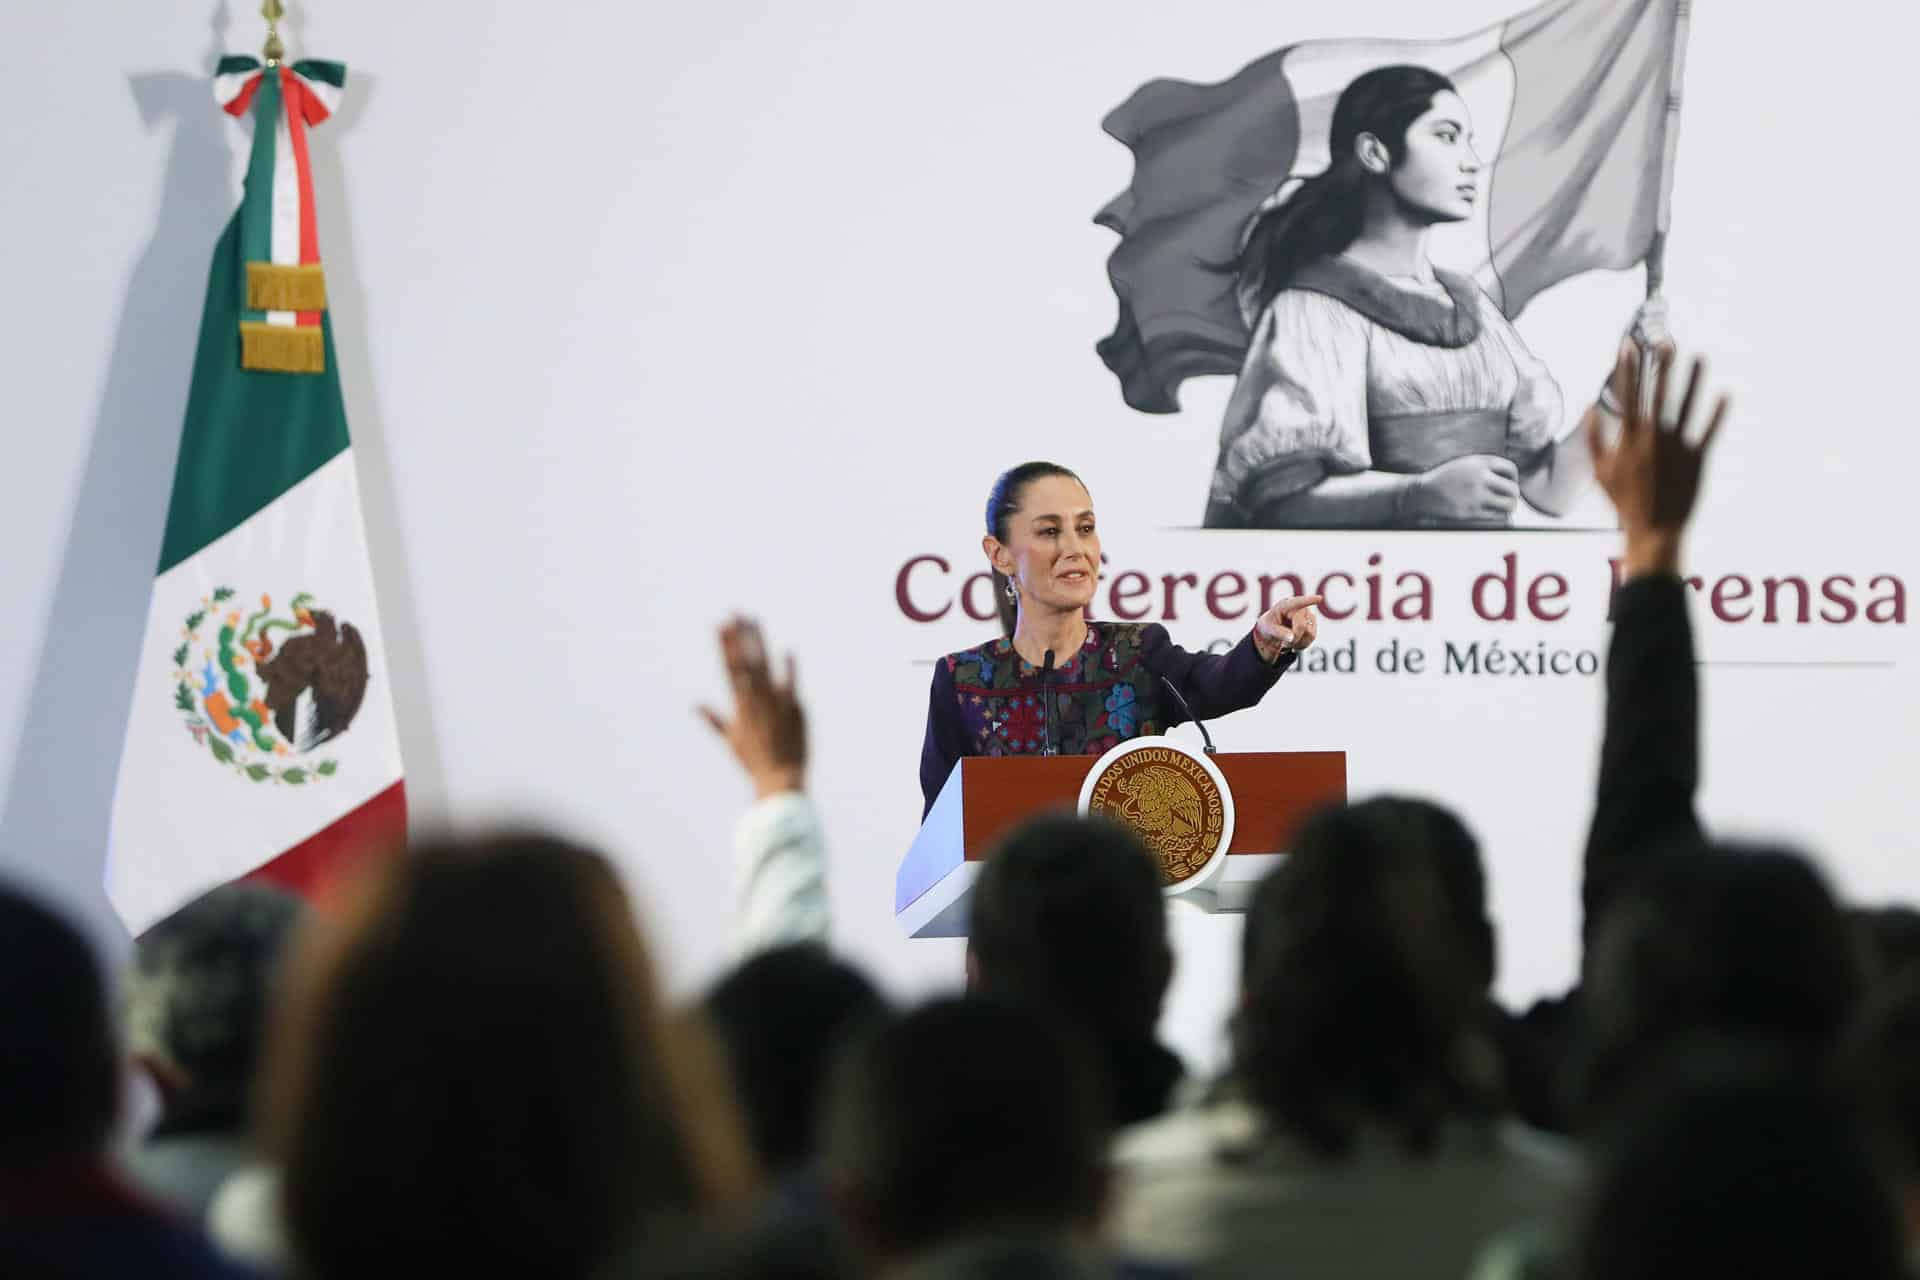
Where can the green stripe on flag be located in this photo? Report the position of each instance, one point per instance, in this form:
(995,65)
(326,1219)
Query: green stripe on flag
(333,73)
(256,207)
(249,436)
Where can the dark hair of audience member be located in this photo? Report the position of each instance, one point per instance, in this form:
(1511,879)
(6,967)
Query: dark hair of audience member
(199,994)
(472,1073)
(1728,1160)
(1743,941)
(781,1016)
(1880,1068)
(961,1118)
(1890,938)
(1069,917)
(59,1068)
(1365,966)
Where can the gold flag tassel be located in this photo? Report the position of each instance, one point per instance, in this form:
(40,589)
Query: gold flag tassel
(282,348)
(272,286)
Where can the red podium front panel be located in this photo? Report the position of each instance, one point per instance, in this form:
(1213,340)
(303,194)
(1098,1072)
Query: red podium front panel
(987,796)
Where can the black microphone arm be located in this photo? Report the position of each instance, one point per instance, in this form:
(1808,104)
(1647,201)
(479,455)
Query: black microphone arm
(1198,723)
(1046,699)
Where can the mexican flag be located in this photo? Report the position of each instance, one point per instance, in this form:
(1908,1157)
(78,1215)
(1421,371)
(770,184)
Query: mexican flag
(1575,107)
(261,740)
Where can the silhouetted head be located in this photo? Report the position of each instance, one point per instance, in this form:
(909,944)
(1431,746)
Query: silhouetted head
(1889,938)
(782,1017)
(1880,1068)
(59,1066)
(965,1117)
(199,993)
(1069,918)
(1723,1164)
(1746,942)
(473,1072)
(1365,966)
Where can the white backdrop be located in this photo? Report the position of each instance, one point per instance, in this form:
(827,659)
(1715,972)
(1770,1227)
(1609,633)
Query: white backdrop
(650,313)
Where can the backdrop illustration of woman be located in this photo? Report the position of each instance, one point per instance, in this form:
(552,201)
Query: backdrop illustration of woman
(1379,391)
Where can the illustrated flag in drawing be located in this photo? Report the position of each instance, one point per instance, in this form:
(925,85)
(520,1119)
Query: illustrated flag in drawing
(261,740)
(1576,109)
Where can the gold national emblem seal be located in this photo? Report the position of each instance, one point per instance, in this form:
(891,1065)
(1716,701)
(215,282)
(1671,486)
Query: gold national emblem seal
(1173,797)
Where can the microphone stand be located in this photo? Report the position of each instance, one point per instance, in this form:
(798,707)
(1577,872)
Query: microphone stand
(1198,723)
(1046,699)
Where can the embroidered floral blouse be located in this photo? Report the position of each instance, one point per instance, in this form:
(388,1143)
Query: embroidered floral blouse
(986,701)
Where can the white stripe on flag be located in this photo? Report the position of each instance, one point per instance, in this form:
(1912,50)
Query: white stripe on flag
(184,822)
(329,95)
(227,87)
(286,208)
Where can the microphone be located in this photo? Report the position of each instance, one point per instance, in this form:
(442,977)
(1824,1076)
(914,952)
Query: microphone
(1198,723)
(1046,698)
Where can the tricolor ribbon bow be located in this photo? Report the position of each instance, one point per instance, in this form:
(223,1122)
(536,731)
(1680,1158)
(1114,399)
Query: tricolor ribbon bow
(286,292)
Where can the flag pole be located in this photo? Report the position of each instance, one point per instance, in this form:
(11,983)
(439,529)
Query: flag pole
(1663,216)
(1649,330)
(273,11)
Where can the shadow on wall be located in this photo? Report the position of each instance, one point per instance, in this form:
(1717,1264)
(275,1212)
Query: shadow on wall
(59,799)
(392,579)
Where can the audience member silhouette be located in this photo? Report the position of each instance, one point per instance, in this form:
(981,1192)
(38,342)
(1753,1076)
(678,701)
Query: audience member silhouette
(1727,1167)
(473,1074)
(1359,1130)
(1880,1068)
(1068,918)
(64,1211)
(969,1137)
(781,1016)
(1747,943)
(201,985)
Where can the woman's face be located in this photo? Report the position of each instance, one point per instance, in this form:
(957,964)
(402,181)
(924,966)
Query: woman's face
(1438,174)
(1052,549)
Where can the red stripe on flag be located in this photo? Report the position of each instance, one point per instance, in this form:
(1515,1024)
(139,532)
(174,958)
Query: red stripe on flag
(312,110)
(377,828)
(238,107)
(297,96)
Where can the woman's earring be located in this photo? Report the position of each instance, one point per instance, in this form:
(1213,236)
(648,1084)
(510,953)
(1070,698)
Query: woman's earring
(1012,593)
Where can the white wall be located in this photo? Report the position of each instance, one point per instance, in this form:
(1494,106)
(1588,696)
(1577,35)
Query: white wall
(650,313)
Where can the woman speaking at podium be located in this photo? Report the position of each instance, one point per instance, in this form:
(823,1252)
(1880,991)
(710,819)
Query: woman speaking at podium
(1106,681)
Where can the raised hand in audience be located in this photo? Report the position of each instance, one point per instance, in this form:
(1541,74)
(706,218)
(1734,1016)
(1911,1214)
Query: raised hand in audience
(767,732)
(1650,755)
(1651,471)
(779,851)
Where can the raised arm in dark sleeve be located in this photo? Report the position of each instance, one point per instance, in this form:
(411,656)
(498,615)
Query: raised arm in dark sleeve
(1649,767)
(1212,683)
(1650,758)
(946,737)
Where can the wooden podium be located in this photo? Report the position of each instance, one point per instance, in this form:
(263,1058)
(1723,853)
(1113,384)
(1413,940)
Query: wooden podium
(986,796)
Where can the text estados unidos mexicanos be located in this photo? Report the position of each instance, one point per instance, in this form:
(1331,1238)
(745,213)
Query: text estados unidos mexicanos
(927,588)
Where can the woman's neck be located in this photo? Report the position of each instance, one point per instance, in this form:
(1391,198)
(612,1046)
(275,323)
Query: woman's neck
(1037,631)
(1392,243)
